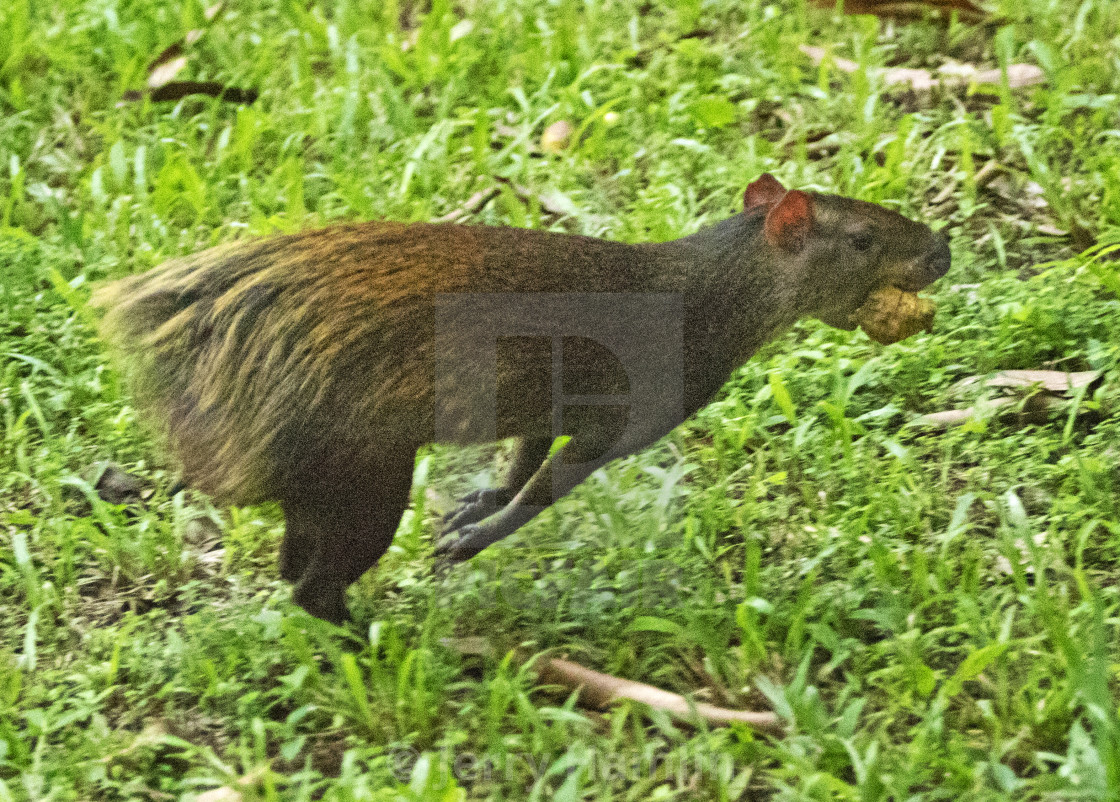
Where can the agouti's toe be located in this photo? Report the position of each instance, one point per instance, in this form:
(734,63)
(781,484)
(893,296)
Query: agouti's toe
(327,603)
(455,548)
(476,506)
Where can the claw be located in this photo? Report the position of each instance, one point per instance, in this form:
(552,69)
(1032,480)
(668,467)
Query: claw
(462,503)
(453,550)
(474,507)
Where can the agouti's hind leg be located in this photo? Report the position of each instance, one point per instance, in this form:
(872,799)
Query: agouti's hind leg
(350,529)
(298,546)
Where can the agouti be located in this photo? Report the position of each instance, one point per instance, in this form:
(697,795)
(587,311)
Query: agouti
(309,368)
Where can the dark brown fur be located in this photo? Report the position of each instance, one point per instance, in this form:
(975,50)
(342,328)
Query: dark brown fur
(301,368)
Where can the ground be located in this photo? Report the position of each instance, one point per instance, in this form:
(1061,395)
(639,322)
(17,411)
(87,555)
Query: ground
(931,609)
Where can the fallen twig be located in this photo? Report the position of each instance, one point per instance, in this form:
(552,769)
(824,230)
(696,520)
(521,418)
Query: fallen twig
(473,205)
(600,690)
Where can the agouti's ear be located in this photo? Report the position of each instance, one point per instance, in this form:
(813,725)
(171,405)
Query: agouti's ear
(765,190)
(788,223)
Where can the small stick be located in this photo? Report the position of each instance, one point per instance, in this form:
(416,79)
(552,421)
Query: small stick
(600,690)
(474,203)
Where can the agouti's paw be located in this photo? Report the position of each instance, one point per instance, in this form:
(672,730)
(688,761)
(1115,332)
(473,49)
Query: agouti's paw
(475,506)
(323,601)
(456,548)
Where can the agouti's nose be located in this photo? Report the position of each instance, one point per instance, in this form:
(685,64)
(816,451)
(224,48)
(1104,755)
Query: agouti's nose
(937,263)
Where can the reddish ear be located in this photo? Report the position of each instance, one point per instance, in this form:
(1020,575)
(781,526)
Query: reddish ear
(765,190)
(788,223)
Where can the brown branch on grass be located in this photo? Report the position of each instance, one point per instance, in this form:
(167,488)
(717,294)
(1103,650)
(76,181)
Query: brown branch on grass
(472,206)
(177,90)
(161,86)
(966,10)
(601,691)
(1052,381)
(1040,392)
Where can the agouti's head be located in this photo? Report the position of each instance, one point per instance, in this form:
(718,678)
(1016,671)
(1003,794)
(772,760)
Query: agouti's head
(839,250)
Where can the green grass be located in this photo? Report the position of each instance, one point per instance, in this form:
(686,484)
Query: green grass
(935,615)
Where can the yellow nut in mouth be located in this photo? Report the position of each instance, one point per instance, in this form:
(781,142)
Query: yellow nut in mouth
(890,315)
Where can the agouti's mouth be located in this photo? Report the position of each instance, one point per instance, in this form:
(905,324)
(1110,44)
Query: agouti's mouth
(913,284)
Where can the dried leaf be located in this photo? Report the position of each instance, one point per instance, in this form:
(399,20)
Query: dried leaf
(215,557)
(1028,195)
(556,202)
(223,794)
(163,71)
(948,75)
(1019,75)
(1052,381)
(890,315)
(821,146)
(460,29)
(164,67)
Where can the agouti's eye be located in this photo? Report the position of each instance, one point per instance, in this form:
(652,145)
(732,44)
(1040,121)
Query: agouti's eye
(862,240)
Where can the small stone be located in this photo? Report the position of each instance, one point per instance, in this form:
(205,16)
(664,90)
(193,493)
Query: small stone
(557,137)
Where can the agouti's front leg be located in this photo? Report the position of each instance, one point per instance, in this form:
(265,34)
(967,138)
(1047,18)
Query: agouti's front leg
(480,504)
(468,540)
(472,538)
(596,441)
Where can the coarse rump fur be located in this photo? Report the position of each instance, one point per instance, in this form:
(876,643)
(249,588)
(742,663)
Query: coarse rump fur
(265,361)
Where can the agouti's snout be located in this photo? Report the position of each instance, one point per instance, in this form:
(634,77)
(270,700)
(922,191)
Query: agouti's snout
(917,257)
(936,265)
